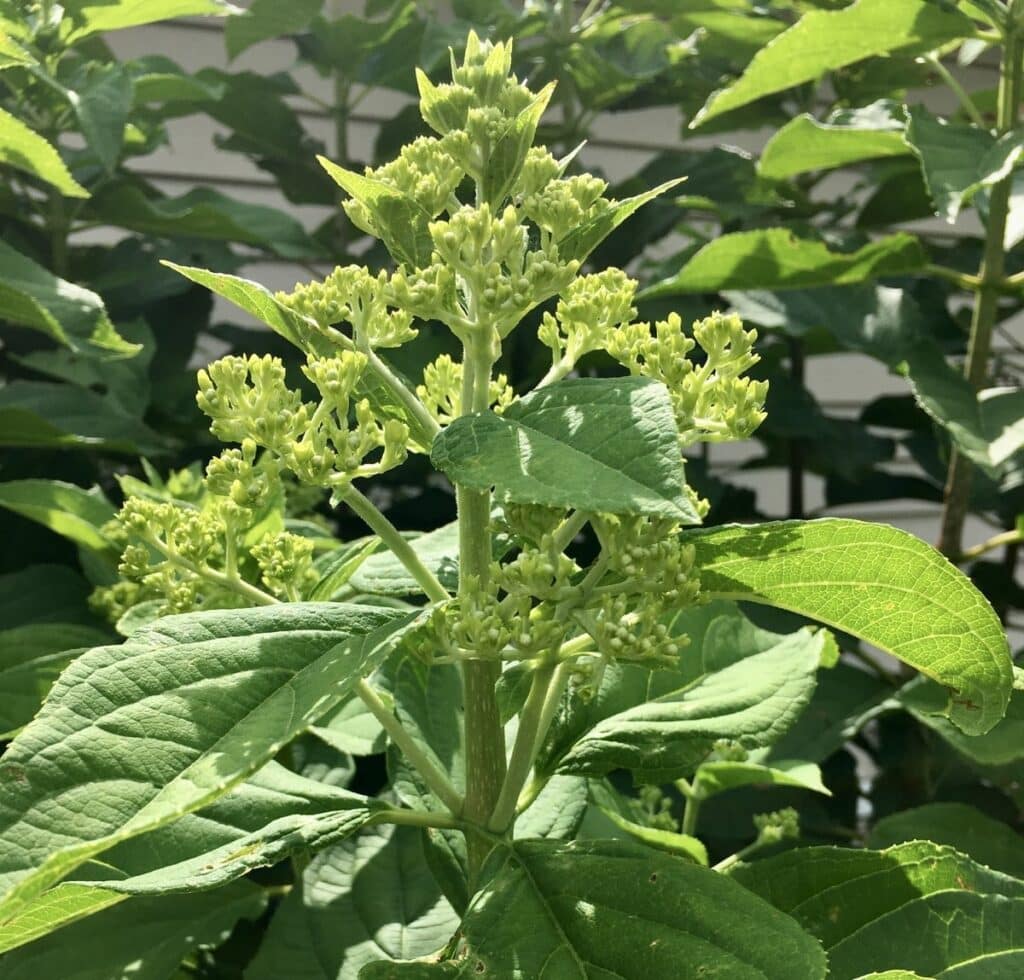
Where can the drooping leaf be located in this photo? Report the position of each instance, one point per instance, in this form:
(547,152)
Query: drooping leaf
(957,825)
(752,702)
(169,722)
(717,777)
(825,40)
(265,20)
(64,508)
(774,258)
(25,149)
(958,160)
(591,443)
(145,939)
(83,18)
(366,900)
(848,136)
(31,296)
(203,213)
(608,908)
(880,584)
(683,845)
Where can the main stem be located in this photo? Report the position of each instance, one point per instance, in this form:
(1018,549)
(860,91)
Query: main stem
(485,735)
(986,306)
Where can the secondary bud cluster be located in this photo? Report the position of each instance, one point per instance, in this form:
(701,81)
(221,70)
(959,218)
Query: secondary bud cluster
(325,445)
(713,401)
(441,390)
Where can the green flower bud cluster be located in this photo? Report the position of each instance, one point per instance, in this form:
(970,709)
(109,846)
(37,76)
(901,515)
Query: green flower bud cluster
(775,827)
(624,631)
(656,808)
(588,312)
(352,294)
(248,399)
(564,204)
(529,523)
(286,564)
(650,558)
(441,391)
(713,401)
(729,750)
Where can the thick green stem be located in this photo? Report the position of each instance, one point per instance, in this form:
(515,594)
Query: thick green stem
(691,810)
(485,736)
(398,545)
(986,306)
(417,818)
(437,782)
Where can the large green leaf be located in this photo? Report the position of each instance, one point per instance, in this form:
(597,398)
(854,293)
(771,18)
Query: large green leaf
(84,18)
(44,594)
(597,444)
(609,908)
(880,584)
(970,831)
(383,574)
(65,508)
(144,939)
(848,136)
(366,900)
(133,737)
(102,104)
(774,258)
(825,40)
(25,149)
(31,658)
(32,296)
(752,702)
(235,822)
(848,898)
(203,213)
(958,160)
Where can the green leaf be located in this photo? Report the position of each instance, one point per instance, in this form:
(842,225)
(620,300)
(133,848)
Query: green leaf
(26,150)
(267,19)
(44,594)
(57,416)
(880,584)
(351,728)
(383,574)
(774,258)
(13,54)
(144,939)
(662,840)
(169,722)
(340,565)
(580,242)
(1001,745)
(987,841)
(825,40)
(101,106)
(848,136)
(203,213)
(83,18)
(508,151)
(233,822)
(611,908)
(958,160)
(400,221)
(752,702)
(716,777)
(77,514)
(840,896)
(986,426)
(366,900)
(31,658)
(557,811)
(32,296)
(598,444)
